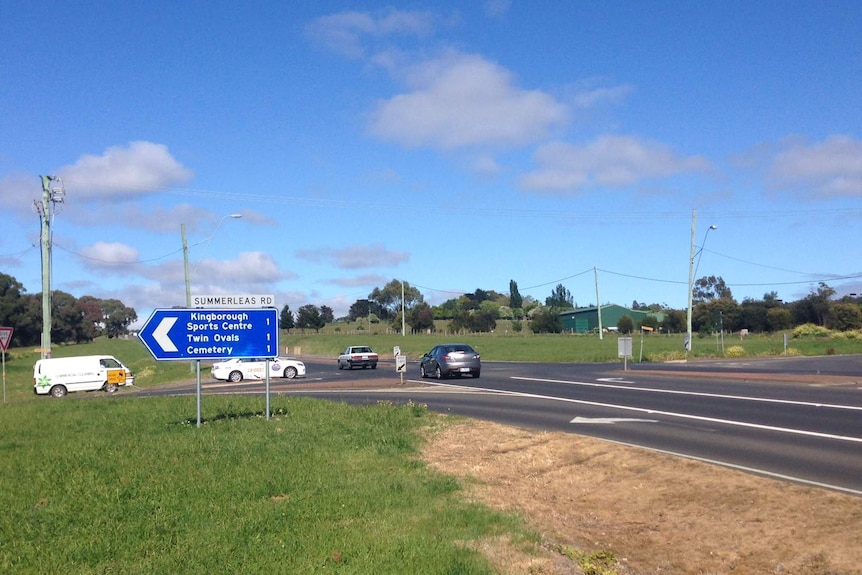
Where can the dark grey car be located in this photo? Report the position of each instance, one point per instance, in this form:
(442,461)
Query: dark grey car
(450,359)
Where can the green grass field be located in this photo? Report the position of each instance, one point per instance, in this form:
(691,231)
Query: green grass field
(503,345)
(114,484)
(98,483)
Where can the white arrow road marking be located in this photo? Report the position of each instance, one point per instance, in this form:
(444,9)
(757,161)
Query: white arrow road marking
(160,334)
(580,419)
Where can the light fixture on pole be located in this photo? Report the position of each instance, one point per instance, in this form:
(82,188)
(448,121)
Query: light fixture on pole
(692,269)
(186,259)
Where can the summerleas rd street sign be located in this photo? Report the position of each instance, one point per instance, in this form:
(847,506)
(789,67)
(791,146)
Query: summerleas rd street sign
(185,334)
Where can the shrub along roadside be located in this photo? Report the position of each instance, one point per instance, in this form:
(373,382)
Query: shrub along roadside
(124,485)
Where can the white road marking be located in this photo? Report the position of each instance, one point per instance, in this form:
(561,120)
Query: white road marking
(693,393)
(611,420)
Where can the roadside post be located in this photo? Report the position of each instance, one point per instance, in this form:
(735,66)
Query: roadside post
(400,362)
(179,334)
(624,350)
(5,338)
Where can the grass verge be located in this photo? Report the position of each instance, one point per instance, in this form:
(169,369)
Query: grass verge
(126,485)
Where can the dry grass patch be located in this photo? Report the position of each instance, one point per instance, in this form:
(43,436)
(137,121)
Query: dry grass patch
(657,513)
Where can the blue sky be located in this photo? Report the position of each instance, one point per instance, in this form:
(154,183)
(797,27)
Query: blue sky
(453,145)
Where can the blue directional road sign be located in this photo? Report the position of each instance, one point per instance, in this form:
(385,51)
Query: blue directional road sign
(184,334)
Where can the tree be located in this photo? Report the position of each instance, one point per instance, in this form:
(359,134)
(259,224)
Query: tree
(389,298)
(421,318)
(650,321)
(309,317)
(515,299)
(778,318)
(326,314)
(546,320)
(845,317)
(362,308)
(625,324)
(12,307)
(285,321)
(66,318)
(814,308)
(560,298)
(674,321)
(710,288)
(118,317)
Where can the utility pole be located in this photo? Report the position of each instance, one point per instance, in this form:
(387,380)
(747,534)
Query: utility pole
(598,301)
(51,194)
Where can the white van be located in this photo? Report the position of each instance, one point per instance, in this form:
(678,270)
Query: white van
(62,375)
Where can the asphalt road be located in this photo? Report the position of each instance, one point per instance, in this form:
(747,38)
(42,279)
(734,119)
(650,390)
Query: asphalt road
(798,419)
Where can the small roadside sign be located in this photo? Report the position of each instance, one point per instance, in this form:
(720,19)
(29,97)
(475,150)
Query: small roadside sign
(5,337)
(400,363)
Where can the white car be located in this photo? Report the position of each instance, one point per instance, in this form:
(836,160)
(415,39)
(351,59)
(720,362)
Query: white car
(238,369)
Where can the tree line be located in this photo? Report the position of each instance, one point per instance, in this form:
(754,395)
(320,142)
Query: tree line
(73,320)
(714,309)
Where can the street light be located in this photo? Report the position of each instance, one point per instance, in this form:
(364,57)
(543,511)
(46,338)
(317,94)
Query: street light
(691,271)
(186,254)
(186,260)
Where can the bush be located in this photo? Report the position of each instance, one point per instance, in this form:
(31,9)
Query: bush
(810,330)
(735,351)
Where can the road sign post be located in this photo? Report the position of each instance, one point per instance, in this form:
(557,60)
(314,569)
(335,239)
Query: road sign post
(624,350)
(5,338)
(180,334)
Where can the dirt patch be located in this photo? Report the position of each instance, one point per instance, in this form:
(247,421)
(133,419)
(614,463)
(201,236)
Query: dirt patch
(657,513)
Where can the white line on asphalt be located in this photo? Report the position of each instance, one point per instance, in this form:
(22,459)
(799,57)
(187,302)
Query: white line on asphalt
(668,413)
(694,393)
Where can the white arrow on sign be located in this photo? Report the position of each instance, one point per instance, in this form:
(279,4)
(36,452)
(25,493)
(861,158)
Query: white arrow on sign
(160,334)
(611,420)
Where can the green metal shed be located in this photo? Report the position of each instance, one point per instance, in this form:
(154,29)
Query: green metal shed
(586,319)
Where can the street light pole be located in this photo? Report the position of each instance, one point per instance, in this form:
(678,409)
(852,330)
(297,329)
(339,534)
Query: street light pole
(692,269)
(186,261)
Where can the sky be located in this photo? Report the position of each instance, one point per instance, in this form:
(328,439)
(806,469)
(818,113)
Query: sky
(451,145)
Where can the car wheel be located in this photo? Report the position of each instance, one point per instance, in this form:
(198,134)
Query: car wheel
(476,374)
(111,387)
(58,391)
(437,373)
(373,366)
(290,372)
(422,371)
(340,365)
(235,376)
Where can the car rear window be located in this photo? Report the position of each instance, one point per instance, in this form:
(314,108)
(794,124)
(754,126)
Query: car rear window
(459,348)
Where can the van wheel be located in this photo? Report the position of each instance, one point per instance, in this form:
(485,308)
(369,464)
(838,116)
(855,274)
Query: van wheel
(111,387)
(59,391)
(235,376)
(290,372)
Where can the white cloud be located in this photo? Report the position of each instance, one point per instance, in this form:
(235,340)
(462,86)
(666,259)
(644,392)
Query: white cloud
(360,281)
(462,100)
(248,269)
(355,257)
(830,168)
(347,33)
(592,97)
(140,168)
(18,191)
(103,254)
(497,8)
(609,161)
